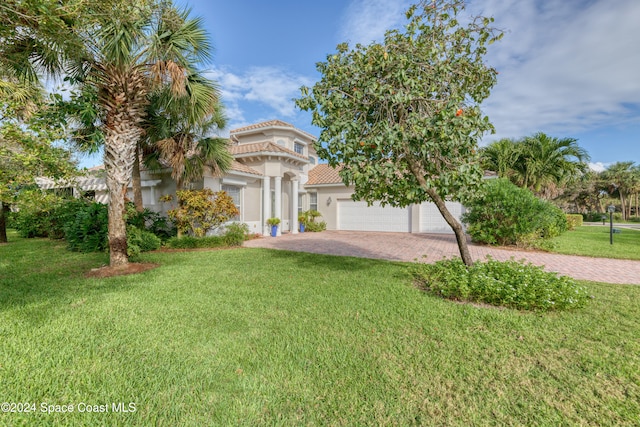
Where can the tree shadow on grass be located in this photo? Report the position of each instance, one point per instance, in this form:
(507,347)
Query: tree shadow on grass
(43,273)
(315,262)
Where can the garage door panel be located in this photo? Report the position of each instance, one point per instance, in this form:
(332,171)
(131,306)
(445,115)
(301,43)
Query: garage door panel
(431,220)
(357,216)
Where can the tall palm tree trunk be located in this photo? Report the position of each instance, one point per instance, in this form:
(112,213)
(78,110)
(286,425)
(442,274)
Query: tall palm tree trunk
(136,182)
(119,155)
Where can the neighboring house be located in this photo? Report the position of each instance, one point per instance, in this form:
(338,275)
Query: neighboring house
(276,174)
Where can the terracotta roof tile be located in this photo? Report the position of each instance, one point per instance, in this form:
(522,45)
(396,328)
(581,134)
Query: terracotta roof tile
(262,147)
(324,174)
(239,167)
(271,123)
(263,125)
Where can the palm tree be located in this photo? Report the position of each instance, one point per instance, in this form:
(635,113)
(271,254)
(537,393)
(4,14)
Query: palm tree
(178,133)
(621,179)
(500,157)
(546,163)
(137,48)
(26,148)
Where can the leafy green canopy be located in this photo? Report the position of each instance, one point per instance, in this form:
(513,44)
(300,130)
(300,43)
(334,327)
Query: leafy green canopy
(402,116)
(28,150)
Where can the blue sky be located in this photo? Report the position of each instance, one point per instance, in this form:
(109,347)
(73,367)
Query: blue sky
(569,68)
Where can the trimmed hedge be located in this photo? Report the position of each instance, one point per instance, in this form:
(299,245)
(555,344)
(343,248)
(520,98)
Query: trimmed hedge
(573,221)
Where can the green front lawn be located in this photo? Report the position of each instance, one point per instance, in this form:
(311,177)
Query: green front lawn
(260,337)
(593,240)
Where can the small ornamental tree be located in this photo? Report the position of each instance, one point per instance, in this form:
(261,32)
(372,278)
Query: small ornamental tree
(200,211)
(28,150)
(402,117)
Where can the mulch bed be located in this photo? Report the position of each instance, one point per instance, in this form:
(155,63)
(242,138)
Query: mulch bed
(122,270)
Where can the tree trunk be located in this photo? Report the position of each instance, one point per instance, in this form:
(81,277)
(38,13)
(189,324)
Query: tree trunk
(3,222)
(119,153)
(461,238)
(136,182)
(455,225)
(178,188)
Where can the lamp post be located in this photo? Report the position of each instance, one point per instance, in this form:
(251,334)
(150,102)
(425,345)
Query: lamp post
(611,210)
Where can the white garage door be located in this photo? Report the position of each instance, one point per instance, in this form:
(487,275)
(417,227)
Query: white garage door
(431,220)
(357,216)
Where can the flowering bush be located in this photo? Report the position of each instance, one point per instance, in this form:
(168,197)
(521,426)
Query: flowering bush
(510,284)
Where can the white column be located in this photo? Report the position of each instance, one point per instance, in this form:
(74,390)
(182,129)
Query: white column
(266,204)
(294,206)
(278,201)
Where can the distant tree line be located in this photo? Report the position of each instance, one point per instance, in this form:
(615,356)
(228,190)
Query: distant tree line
(556,169)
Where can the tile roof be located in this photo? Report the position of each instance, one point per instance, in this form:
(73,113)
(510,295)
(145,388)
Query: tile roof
(262,147)
(261,125)
(239,167)
(324,174)
(271,123)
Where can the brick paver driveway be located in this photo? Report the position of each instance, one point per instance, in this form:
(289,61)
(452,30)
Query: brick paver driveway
(408,247)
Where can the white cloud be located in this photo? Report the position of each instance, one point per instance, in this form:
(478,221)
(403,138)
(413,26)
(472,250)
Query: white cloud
(599,166)
(273,88)
(367,20)
(565,67)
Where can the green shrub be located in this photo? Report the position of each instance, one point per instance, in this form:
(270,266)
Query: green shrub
(573,221)
(87,231)
(10,219)
(308,218)
(315,226)
(141,241)
(200,211)
(45,214)
(151,221)
(594,217)
(235,234)
(510,284)
(35,212)
(505,214)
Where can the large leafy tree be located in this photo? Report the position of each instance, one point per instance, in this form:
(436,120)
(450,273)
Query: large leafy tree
(135,49)
(402,117)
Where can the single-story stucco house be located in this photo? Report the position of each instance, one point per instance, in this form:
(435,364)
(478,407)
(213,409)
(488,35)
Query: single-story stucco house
(276,173)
